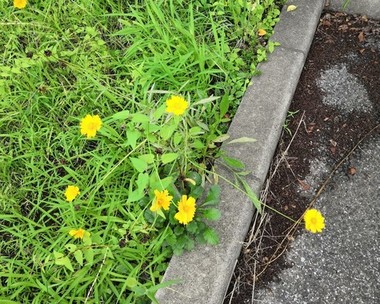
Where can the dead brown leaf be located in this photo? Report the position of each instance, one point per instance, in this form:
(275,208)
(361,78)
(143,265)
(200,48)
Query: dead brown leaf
(305,186)
(351,171)
(310,127)
(361,37)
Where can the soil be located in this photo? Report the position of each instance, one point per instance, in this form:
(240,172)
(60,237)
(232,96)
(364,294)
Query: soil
(321,130)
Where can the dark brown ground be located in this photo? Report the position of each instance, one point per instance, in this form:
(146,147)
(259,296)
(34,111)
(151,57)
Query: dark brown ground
(324,132)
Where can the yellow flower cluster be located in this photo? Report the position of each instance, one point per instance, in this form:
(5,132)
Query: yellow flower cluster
(186,206)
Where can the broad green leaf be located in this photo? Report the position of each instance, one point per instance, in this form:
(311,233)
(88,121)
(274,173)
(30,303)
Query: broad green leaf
(140,118)
(233,162)
(131,282)
(132,137)
(167,130)
(195,131)
(79,257)
(138,164)
(177,138)
(224,105)
(241,140)
(169,157)
(122,115)
(135,196)
(142,181)
(71,247)
(88,254)
(221,138)
(159,111)
(63,261)
(252,196)
(205,100)
(148,158)
(212,214)
(211,237)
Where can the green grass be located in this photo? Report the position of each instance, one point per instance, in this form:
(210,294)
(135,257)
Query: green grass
(61,60)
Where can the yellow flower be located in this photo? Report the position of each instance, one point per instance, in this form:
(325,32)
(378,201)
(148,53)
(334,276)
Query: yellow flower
(90,125)
(20,3)
(161,200)
(79,233)
(186,210)
(262,32)
(71,193)
(314,220)
(176,105)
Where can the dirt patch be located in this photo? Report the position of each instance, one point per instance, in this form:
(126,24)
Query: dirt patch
(338,103)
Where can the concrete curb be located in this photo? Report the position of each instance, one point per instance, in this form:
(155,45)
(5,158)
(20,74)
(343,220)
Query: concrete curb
(370,8)
(205,272)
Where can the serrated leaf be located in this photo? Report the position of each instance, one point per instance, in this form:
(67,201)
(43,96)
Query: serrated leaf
(192,227)
(169,157)
(211,236)
(291,8)
(79,257)
(213,196)
(241,140)
(138,164)
(212,214)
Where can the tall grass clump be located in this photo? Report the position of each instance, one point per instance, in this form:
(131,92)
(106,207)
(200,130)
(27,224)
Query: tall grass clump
(110,116)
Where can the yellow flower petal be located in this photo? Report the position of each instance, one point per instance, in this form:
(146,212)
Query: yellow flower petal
(262,32)
(161,200)
(314,221)
(19,3)
(79,233)
(186,210)
(71,193)
(89,125)
(176,105)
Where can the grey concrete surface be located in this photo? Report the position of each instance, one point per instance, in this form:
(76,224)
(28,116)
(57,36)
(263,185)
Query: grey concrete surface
(370,8)
(343,90)
(341,265)
(295,30)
